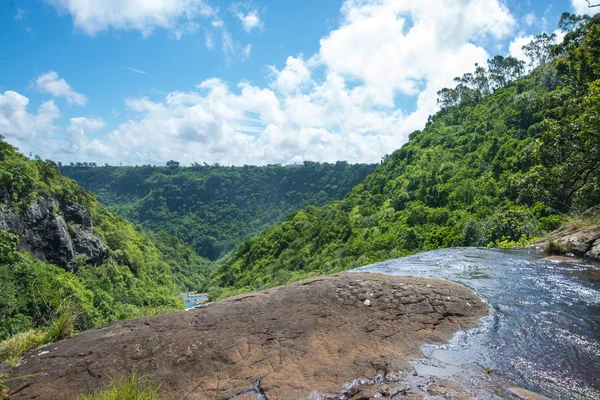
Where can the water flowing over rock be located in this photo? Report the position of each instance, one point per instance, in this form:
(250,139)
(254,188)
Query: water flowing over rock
(313,336)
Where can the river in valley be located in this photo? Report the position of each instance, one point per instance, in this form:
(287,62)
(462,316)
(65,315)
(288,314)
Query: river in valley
(543,331)
(194,299)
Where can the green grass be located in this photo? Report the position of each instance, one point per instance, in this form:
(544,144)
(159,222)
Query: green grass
(574,223)
(13,348)
(132,387)
(552,247)
(3,380)
(62,325)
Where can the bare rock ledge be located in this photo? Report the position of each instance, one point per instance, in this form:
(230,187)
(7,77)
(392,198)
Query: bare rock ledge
(282,343)
(582,243)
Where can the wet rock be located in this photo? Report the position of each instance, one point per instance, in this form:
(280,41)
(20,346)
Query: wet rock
(594,252)
(313,335)
(579,241)
(583,242)
(525,394)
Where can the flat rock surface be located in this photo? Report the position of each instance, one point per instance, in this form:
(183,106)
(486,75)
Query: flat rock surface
(290,342)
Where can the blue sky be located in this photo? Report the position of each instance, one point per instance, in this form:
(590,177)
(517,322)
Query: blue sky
(145,81)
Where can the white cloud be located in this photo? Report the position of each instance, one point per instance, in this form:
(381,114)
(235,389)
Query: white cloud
(51,83)
(234,50)
(581,7)
(293,77)
(19,126)
(341,103)
(227,45)
(179,17)
(250,21)
(82,124)
(80,145)
(94,16)
(530,19)
(246,52)
(398,45)
(252,125)
(209,40)
(516,47)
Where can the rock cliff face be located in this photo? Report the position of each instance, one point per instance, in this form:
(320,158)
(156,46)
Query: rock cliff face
(284,343)
(583,242)
(55,233)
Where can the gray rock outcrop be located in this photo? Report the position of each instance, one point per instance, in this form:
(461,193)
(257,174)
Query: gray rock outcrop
(583,243)
(55,233)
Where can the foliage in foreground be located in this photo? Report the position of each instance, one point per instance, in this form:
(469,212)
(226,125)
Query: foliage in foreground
(132,387)
(3,380)
(13,348)
(134,280)
(500,163)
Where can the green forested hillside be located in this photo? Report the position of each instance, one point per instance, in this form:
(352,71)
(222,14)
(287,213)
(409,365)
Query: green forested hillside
(215,208)
(497,165)
(121,275)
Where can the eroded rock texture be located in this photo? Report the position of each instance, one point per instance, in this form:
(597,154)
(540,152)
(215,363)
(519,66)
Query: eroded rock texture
(56,233)
(583,242)
(283,343)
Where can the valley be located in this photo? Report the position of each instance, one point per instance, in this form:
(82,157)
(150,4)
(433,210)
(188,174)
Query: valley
(424,275)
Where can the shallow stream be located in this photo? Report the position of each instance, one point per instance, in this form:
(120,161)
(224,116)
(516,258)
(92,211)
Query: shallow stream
(543,332)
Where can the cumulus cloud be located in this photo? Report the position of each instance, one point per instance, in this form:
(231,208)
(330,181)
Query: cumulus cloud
(293,77)
(93,16)
(582,7)
(516,47)
(250,20)
(530,19)
(80,145)
(21,127)
(248,124)
(51,83)
(401,45)
(342,103)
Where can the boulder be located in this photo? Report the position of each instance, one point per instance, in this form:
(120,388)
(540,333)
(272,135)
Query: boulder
(311,337)
(594,252)
(582,243)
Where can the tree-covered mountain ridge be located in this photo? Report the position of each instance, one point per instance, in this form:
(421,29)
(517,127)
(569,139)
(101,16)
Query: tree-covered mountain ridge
(215,208)
(64,257)
(506,156)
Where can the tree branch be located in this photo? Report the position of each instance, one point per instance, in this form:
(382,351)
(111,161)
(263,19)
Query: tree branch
(592,5)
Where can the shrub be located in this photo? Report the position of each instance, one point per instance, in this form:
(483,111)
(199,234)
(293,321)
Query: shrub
(552,247)
(63,324)
(13,348)
(132,387)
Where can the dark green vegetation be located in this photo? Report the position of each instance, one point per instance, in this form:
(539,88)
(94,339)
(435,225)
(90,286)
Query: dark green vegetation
(132,279)
(213,208)
(498,165)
